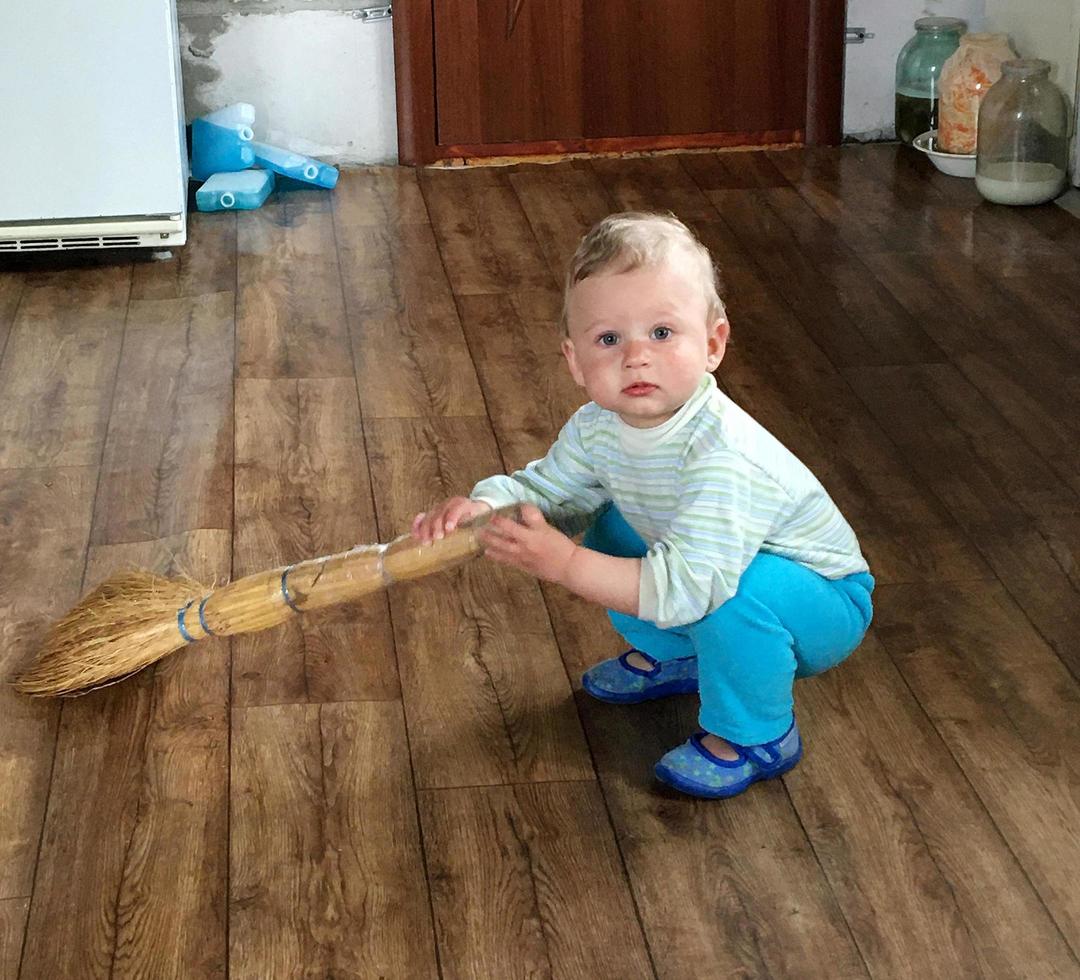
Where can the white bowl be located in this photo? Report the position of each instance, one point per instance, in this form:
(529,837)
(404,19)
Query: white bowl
(953,164)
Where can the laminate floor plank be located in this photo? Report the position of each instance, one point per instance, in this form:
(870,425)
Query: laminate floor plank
(527,882)
(11,290)
(327,876)
(302,490)
(58,369)
(132,877)
(1000,241)
(850,316)
(12,928)
(290,312)
(896,824)
(485,693)
(486,242)
(167,465)
(205,265)
(43,535)
(410,356)
(514,339)
(562,202)
(1008,711)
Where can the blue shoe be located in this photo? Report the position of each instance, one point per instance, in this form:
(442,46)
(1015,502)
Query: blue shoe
(693,769)
(619,682)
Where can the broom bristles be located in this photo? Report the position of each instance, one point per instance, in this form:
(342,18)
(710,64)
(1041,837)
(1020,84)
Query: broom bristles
(127,623)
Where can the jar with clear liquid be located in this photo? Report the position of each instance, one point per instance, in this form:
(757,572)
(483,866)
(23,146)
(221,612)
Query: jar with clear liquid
(1023,136)
(918,68)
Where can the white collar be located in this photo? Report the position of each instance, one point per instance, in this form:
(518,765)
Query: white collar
(637,440)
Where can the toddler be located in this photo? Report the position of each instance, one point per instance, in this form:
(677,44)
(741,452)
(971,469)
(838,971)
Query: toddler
(721,559)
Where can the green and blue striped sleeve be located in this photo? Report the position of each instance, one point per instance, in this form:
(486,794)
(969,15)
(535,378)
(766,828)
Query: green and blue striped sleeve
(562,484)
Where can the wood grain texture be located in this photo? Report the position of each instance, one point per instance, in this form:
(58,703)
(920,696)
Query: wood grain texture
(486,698)
(825,72)
(1008,711)
(12,926)
(290,315)
(138,888)
(58,368)
(508,72)
(528,390)
(851,317)
(896,824)
(326,871)
(485,240)
(11,289)
(46,513)
(167,466)
(694,66)
(562,202)
(206,264)
(410,357)
(414,81)
(527,882)
(302,490)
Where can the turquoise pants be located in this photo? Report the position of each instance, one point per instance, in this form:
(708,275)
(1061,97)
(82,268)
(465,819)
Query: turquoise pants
(785,621)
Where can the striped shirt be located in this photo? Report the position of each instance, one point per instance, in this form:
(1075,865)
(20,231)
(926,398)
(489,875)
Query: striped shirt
(706,490)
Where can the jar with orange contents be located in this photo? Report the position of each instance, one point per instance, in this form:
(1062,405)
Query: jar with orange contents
(965,79)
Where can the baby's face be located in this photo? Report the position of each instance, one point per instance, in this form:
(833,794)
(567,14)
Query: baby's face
(640,341)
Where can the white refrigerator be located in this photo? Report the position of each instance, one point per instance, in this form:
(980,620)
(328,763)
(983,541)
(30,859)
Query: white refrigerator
(92,146)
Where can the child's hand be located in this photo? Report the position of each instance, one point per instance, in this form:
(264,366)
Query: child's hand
(534,546)
(442,519)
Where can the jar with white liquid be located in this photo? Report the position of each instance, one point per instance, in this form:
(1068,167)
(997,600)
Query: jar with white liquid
(1022,136)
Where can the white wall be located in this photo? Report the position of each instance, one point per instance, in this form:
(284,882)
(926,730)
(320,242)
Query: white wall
(1048,29)
(321,81)
(870,68)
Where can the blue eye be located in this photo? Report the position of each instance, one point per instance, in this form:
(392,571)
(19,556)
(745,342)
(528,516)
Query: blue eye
(661,333)
(608,339)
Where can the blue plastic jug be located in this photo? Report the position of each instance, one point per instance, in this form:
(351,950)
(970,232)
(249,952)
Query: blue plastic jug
(221,141)
(243,191)
(295,165)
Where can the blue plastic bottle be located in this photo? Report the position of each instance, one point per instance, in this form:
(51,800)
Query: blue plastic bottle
(221,141)
(295,165)
(243,191)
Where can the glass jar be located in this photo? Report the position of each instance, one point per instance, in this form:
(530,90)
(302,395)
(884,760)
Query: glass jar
(918,67)
(1023,136)
(965,79)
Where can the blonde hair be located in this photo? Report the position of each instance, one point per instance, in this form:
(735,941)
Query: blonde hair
(633,239)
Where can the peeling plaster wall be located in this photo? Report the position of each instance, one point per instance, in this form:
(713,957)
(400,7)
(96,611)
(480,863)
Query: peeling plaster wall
(870,68)
(321,80)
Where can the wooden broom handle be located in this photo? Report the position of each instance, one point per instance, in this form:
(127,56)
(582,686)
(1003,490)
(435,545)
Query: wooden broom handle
(265,599)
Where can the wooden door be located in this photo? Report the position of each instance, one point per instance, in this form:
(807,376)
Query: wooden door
(490,77)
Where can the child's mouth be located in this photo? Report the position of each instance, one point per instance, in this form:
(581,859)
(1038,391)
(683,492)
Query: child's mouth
(639,388)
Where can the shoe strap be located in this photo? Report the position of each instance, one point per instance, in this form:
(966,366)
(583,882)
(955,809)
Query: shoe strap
(654,665)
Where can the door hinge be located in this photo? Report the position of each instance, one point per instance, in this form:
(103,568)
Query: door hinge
(381,12)
(856,35)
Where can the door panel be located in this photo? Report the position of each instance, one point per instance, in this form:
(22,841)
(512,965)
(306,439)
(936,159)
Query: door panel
(508,70)
(694,66)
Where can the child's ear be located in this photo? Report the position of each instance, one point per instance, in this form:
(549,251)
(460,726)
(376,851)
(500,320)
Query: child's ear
(716,343)
(571,362)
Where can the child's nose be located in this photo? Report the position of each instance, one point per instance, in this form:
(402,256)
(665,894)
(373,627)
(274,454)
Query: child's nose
(635,353)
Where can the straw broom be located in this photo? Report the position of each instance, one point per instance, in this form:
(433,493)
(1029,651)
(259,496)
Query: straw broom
(136,618)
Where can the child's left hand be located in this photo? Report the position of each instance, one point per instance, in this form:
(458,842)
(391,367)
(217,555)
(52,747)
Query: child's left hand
(534,546)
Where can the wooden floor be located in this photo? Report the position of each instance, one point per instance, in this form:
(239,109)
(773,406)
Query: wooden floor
(417,787)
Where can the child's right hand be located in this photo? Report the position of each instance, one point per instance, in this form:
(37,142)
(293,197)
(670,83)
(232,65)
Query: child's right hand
(443,518)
